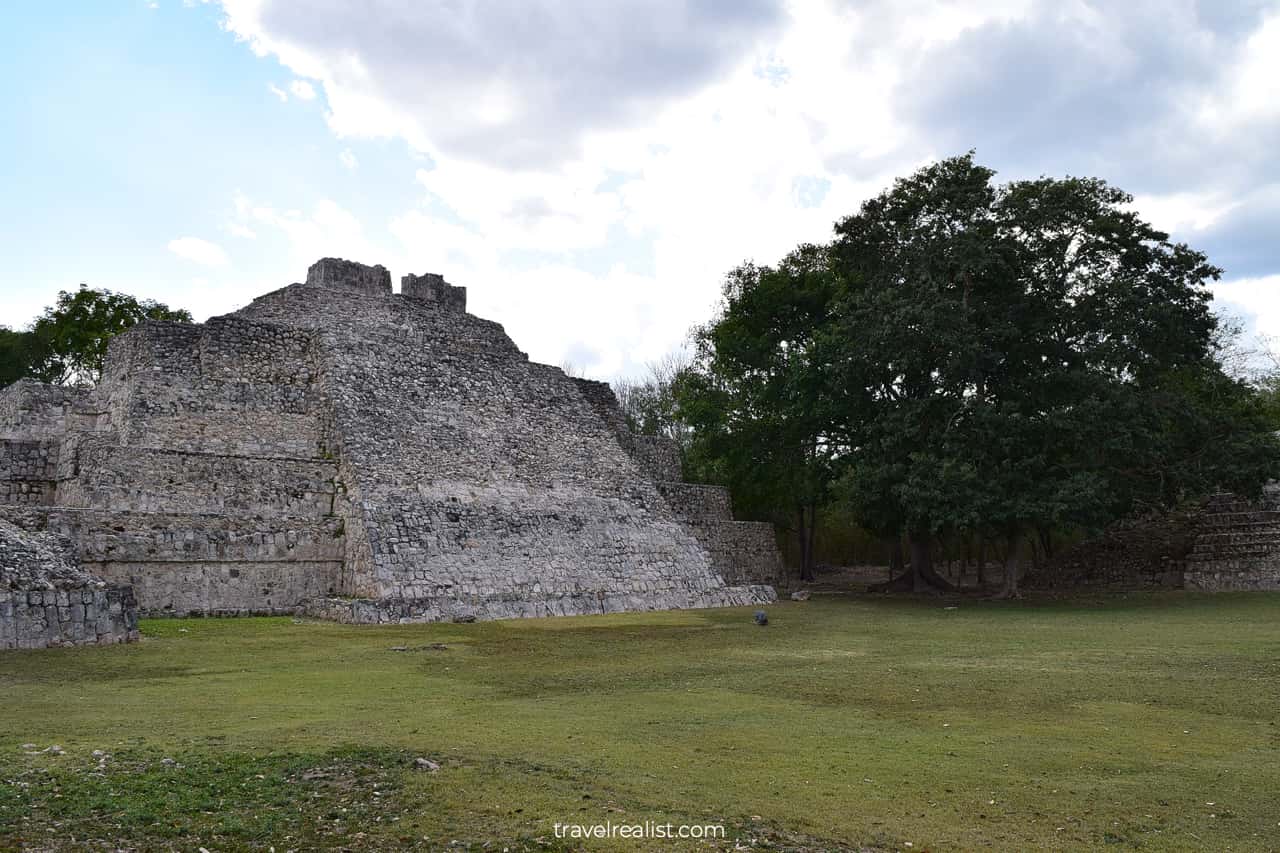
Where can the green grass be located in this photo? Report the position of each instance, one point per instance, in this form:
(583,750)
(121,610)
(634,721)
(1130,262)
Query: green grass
(1144,721)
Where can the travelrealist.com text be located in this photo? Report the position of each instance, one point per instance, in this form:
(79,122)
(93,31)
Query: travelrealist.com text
(648,829)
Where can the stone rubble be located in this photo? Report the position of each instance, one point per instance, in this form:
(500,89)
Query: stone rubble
(46,599)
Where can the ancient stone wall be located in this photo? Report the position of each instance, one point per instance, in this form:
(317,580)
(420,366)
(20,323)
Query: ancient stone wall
(33,410)
(433,288)
(28,470)
(47,600)
(195,472)
(337,274)
(1225,543)
(228,386)
(98,473)
(742,552)
(1148,552)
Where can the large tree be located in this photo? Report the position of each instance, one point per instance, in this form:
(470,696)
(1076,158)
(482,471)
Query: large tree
(1025,356)
(756,393)
(66,345)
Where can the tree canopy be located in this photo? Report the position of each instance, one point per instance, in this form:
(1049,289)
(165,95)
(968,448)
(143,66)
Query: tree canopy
(66,345)
(974,357)
(757,393)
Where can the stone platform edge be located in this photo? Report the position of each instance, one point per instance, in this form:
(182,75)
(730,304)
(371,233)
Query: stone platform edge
(380,611)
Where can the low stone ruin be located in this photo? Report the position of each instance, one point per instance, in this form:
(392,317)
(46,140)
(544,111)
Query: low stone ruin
(1224,544)
(338,449)
(1237,544)
(46,599)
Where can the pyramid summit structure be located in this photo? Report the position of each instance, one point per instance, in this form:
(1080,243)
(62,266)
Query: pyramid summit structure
(338,449)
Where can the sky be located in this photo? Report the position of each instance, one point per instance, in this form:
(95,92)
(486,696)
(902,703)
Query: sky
(591,170)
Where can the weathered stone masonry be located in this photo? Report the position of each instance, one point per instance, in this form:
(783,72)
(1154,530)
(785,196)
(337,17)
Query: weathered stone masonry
(1236,545)
(366,456)
(1224,544)
(743,552)
(47,600)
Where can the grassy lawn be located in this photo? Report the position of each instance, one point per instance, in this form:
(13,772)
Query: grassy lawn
(1140,721)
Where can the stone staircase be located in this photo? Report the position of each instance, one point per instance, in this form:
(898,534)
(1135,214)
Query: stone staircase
(1237,545)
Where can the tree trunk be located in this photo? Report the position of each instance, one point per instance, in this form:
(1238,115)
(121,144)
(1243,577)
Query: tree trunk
(1011,567)
(919,562)
(899,575)
(923,575)
(813,527)
(1046,542)
(806,545)
(897,563)
(982,562)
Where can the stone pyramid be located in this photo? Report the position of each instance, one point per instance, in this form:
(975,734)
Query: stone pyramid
(340,450)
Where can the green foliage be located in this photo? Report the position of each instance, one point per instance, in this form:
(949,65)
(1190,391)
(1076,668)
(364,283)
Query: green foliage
(67,344)
(19,351)
(976,358)
(758,395)
(1030,355)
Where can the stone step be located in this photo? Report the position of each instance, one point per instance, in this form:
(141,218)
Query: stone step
(223,589)
(696,503)
(1239,506)
(1241,576)
(104,536)
(109,476)
(1269,498)
(1260,565)
(1237,519)
(444,608)
(1207,553)
(231,433)
(1234,536)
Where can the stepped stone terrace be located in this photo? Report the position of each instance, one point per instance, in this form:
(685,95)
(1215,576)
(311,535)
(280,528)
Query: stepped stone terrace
(340,450)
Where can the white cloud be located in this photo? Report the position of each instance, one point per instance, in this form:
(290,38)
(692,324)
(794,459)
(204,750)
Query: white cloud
(328,230)
(277,91)
(238,230)
(1183,212)
(199,251)
(1255,298)
(1251,93)
(348,159)
(302,89)
(596,169)
(510,84)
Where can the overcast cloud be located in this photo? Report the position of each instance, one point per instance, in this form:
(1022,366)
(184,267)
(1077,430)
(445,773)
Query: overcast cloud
(512,84)
(713,132)
(590,170)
